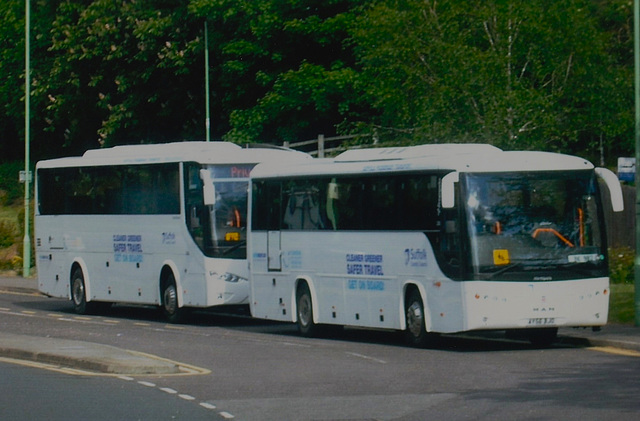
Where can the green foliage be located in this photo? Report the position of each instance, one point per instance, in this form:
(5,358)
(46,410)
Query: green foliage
(10,189)
(122,72)
(622,304)
(524,75)
(8,233)
(621,265)
(286,67)
(497,72)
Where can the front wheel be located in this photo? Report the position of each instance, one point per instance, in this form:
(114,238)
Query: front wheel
(416,333)
(170,306)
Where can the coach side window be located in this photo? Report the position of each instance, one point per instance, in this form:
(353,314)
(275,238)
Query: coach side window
(267,205)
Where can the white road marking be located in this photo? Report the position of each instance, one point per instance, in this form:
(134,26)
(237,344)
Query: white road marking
(148,384)
(366,357)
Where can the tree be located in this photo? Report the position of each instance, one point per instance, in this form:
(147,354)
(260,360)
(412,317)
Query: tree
(518,74)
(12,70)
(284,70)
(522,75)
(123,72)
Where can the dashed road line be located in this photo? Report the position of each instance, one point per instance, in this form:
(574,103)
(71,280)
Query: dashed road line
(204,404)
(366,357)
(148,384)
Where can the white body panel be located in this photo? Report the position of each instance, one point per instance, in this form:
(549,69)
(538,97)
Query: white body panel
(358,279)
(122,256)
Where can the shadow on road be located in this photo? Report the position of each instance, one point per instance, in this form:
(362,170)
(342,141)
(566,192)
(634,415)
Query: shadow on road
(238,318)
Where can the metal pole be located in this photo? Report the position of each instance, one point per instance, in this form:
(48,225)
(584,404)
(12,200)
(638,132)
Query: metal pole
(636,49)
(206,83)
(26,252)
(320,146)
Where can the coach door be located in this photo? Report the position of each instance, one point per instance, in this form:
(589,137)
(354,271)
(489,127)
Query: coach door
(274,251)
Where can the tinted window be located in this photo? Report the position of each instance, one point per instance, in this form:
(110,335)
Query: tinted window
(124,190)
(394,202)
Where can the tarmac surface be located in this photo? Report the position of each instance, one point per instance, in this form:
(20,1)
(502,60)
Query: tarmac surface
(98,358)
(80,356)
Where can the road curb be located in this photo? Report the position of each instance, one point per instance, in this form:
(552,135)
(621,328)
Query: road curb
(80,355)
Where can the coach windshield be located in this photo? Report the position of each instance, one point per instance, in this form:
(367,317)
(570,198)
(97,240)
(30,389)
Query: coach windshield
(545,223)
(217,208)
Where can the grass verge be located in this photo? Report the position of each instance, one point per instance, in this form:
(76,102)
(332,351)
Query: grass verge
(621,304)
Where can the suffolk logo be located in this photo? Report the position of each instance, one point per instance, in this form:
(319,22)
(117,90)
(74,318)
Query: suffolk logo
(415,257)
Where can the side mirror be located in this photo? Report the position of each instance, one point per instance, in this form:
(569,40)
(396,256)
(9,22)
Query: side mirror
(448,190)
(208,188)
(613,184)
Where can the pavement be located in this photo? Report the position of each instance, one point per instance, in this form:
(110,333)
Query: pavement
(99,358)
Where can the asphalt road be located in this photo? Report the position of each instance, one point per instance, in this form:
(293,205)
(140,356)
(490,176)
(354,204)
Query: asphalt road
(29,393)
(256,370)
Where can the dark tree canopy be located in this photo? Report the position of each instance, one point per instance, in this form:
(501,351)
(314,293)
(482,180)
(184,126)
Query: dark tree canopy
(521,75)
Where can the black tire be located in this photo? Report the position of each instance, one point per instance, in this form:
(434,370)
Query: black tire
(415,333)
(79,296)
(304,312)
(543,337)
(78,292)
(169,296)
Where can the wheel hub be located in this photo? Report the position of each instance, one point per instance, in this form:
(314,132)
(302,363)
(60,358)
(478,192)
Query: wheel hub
(414,319)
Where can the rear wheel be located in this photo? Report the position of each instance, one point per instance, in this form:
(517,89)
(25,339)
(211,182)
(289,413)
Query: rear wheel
(170,305)
(304,306)
(79,296)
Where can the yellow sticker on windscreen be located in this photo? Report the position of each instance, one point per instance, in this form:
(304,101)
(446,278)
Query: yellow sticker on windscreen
(501,257)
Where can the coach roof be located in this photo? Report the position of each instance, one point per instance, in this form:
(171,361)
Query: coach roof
(445,157)
(204,152)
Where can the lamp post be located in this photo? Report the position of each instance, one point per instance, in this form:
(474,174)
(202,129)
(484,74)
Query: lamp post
(26,252)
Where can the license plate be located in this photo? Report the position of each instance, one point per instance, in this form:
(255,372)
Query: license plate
(542,321)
